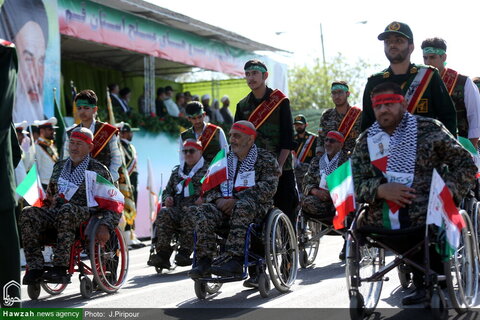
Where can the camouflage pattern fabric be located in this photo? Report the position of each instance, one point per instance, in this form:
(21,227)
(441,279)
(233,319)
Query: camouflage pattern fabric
(301,168)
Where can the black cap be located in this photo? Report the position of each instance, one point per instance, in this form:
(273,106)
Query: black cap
(399,28)
(300,119)
(128,128)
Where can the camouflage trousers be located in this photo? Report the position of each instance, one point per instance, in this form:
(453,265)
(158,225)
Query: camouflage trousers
(300,171)
(34,222)
(170,221)
(313,206)
(209,219)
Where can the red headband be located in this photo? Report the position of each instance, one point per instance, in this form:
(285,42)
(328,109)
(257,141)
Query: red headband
(243,128)
(193,145)
(336,136)
(380,99)
(81,136)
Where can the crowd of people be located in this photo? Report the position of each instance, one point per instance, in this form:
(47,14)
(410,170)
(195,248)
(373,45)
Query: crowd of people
(411,117)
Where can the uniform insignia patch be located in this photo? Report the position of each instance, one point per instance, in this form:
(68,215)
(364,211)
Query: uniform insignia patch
(422,106)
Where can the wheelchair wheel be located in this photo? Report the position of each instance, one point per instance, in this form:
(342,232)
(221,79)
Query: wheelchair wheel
(281,250)
(33,291)
(308,248)
(86,287)
(357,307)
(362,262)
(438,304)
(475,218)
(462,269)
(53,288)
(263,285)
(109,262)
(200,289)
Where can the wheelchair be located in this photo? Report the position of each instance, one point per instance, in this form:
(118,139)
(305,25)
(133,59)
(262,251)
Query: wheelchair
(280,259)
(107,264)
(174,246)
(310,229)
(366,269)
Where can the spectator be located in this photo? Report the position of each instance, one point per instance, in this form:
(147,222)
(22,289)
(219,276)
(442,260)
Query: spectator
(188,97)
(160,108)
(226,114)
(217,116)
(206,106)
(180,101)
(119,106)
(125,96)
(172,108)
(196,97)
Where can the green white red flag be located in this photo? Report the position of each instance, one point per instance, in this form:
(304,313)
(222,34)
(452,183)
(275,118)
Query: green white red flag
(443,213)
(216,173)
(340,185)
(102,193)
(31,189)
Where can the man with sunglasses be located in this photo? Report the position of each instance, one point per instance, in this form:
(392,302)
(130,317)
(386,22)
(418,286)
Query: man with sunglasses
(211,137)
(344,118)
(424,90)
(182,191)
(105,140)
(393,164)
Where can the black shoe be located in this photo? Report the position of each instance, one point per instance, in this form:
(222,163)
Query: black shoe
(231,266)
(341,256)
(202,269)
(57,275)
(160,260)
(182,258)
(416,297)
(33,276)
(251,282)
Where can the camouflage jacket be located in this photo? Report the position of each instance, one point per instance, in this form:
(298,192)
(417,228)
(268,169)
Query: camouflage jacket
(171,188)
(436,148)
(312,178)
(267,173)
(331,120)
(53,200)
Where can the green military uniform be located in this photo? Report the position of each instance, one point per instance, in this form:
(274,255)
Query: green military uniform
(436,147)
(213,147)
(330,121)
(252,205)
(10,156)
(177,218)
(64,216)
(435,102)
(311,204)
(302,167)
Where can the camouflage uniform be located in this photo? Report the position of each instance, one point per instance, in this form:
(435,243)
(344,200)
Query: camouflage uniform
(330,121)
(310,203)
(62,216)
(252,205)
(434,103)
(176,218)
(436,147)
(302,167)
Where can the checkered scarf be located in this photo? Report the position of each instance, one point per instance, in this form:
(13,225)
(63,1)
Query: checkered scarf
(74,177)
(232,162)
(328,166)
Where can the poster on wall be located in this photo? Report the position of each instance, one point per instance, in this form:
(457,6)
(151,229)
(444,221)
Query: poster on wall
(32,25)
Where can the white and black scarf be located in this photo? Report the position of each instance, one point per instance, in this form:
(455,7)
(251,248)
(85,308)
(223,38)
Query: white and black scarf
(247,165)
(183,185)
(69,181)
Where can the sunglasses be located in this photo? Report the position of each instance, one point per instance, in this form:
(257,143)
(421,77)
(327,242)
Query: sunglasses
(187,151)
(330,140)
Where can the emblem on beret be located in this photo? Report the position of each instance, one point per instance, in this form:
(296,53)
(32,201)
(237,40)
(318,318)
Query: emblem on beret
(298,118)
(386,75)
(414,70)
(394,26)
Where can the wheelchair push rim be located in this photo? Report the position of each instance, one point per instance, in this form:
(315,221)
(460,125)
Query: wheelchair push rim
(307,230)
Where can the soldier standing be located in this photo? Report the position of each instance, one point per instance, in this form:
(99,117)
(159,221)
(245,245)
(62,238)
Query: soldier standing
(269,111)
(461,88)
(305,143)
(46,151)
(343,118)
(211,137)
(105,141)
(424,90)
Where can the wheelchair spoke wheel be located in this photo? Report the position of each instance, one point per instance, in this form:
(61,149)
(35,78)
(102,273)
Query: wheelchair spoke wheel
(281,250)
(109,262)
(362,262)
(308,240)
(54,288)
(462,270)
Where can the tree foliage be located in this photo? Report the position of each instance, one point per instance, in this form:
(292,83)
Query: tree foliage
(309,85)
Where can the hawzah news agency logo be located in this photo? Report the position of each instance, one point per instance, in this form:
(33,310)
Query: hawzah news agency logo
(8,289)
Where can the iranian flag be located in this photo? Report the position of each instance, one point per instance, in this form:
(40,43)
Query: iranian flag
(102,193)
(443,213)
(216,173)
(340,185)
(31,189)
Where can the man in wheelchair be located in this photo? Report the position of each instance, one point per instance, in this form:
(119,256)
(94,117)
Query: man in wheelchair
(183,190)
(392,167)
(243,196)
(63,210)
(317,201)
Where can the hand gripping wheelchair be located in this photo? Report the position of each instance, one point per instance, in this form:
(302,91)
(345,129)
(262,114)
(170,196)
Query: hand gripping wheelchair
(366,269)
(280,257)
(108,264)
